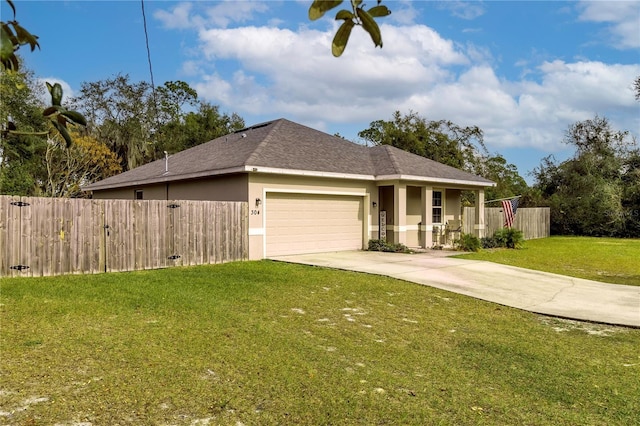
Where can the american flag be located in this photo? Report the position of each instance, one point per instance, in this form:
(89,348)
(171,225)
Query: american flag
(509,207)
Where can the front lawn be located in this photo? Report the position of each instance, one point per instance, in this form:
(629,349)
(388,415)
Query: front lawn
(265,343)
(611,260)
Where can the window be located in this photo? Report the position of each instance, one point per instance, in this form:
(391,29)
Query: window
(436,215)
(137,194)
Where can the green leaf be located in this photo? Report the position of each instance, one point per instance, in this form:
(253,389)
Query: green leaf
(61,120)
(25,37)
(8,32)
(6,46)
(12,63)
(341,38)
(12,8)
(345,14)
(75,116)
(379,11)
(56,93)
(63,132)
(51,110)
(370,26)
(319,7)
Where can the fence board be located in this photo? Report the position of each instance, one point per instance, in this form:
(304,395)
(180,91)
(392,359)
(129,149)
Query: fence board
(56,236)
(10,236)
(533,222)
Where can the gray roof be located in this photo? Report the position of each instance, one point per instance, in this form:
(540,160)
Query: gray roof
(288,147)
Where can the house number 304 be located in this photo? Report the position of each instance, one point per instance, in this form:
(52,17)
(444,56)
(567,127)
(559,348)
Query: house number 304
(255,212)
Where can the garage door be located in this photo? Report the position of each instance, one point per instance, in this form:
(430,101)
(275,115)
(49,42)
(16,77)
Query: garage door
(304,223)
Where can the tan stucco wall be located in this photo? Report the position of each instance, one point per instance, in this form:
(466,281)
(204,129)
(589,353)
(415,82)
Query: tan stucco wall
(149,192)
(414,215)
(228,188)
(452,205)
(261,184)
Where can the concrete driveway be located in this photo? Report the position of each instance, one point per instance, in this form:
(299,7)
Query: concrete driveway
(533,291)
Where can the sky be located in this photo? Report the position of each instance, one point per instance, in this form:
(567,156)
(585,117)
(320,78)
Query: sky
(522,71)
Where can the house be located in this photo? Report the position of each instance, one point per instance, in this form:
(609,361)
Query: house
(309,191)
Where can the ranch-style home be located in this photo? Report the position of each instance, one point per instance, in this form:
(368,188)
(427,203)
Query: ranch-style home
(309,191)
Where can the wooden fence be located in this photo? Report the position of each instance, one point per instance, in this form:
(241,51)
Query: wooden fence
(533,222)
(55,236)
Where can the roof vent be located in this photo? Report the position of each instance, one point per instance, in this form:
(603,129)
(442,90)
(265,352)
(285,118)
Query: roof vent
(244,135)
(166,162)
(257,126)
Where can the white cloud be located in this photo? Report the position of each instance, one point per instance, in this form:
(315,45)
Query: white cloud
(177,18)
(464,9)
(266,71)
(403,13)
(296,73)
(221,14)
(232,11)
(623,18)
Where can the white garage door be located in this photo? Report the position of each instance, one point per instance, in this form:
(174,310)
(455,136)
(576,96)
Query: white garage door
(310,223)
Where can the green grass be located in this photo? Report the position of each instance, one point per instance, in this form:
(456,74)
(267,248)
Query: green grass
(609,260)
(264,343)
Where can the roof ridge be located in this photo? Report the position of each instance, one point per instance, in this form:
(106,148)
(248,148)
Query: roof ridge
(256,152)
(394,160)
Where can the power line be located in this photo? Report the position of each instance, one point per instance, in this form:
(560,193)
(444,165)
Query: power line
(146,37)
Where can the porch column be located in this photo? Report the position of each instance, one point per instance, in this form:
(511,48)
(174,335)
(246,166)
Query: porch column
(400,213)
(426,227)
(478,228)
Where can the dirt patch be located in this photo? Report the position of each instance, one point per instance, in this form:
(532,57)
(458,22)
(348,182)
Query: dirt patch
(561,325)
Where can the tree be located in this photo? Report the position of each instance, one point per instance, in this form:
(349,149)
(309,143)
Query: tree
(171,99)
(357,16)
(442,141)
(70,167)
(508,181)
(21,170)
(636,87)
(138,124)
(595,192)
(631,193)
(122,115)
(195,128)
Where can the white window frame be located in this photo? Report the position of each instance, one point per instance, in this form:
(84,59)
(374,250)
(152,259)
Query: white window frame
(435,208)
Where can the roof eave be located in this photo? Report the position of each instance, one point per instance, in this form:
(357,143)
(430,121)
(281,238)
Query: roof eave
(460,182)
(164,179)
(308,173)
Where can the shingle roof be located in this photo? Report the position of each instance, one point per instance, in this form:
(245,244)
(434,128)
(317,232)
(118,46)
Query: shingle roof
(290,147)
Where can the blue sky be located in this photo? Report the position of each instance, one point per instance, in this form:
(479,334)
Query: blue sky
(521,71)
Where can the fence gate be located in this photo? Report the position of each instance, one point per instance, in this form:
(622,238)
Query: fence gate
(54,236)
(11,236)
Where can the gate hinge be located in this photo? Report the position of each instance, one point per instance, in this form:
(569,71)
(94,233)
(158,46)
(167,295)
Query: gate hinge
(19,267)
(173,206)
(174,257)
(19,203)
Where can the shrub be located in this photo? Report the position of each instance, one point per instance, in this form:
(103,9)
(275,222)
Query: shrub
(468,242)
(488,242)
(509,238)
(381,245)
